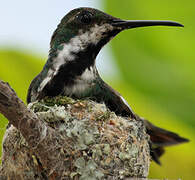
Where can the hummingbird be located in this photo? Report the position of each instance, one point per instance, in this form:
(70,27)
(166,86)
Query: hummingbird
(71,70)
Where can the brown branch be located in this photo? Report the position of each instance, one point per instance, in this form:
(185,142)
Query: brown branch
(39,137)
(17,113)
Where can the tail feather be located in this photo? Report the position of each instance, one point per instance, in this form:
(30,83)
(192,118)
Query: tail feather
(155,153)
(160,138)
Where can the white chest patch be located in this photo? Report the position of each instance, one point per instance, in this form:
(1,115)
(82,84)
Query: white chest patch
(82,83)
(75,45)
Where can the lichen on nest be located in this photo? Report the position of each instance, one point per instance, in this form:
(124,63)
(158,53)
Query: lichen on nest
(101,144)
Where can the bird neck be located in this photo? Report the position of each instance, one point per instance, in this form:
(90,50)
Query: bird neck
(70,70)
(73,60)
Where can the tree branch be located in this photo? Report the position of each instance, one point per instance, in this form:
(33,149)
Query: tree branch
(22,118)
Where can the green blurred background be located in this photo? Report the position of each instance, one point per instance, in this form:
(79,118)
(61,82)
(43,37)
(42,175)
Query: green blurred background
(155,73)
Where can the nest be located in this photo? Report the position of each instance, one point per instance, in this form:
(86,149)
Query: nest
(97,144)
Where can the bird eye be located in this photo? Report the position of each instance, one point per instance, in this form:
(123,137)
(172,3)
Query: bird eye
(85,17)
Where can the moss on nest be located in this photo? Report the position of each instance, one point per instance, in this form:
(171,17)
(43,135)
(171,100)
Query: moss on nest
(101,145)
(58,100)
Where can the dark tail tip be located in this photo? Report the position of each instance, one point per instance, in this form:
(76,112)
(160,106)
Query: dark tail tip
(155,153)
(160,138)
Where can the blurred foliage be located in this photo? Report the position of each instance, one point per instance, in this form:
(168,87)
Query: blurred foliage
(157,67)
(19,69)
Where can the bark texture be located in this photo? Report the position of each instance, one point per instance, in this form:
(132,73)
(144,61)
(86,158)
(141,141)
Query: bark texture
(63,138)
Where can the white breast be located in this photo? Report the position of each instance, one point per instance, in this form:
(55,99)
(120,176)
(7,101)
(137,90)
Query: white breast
(82,83)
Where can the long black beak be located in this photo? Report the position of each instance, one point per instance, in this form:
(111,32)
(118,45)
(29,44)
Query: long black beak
(142,23)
